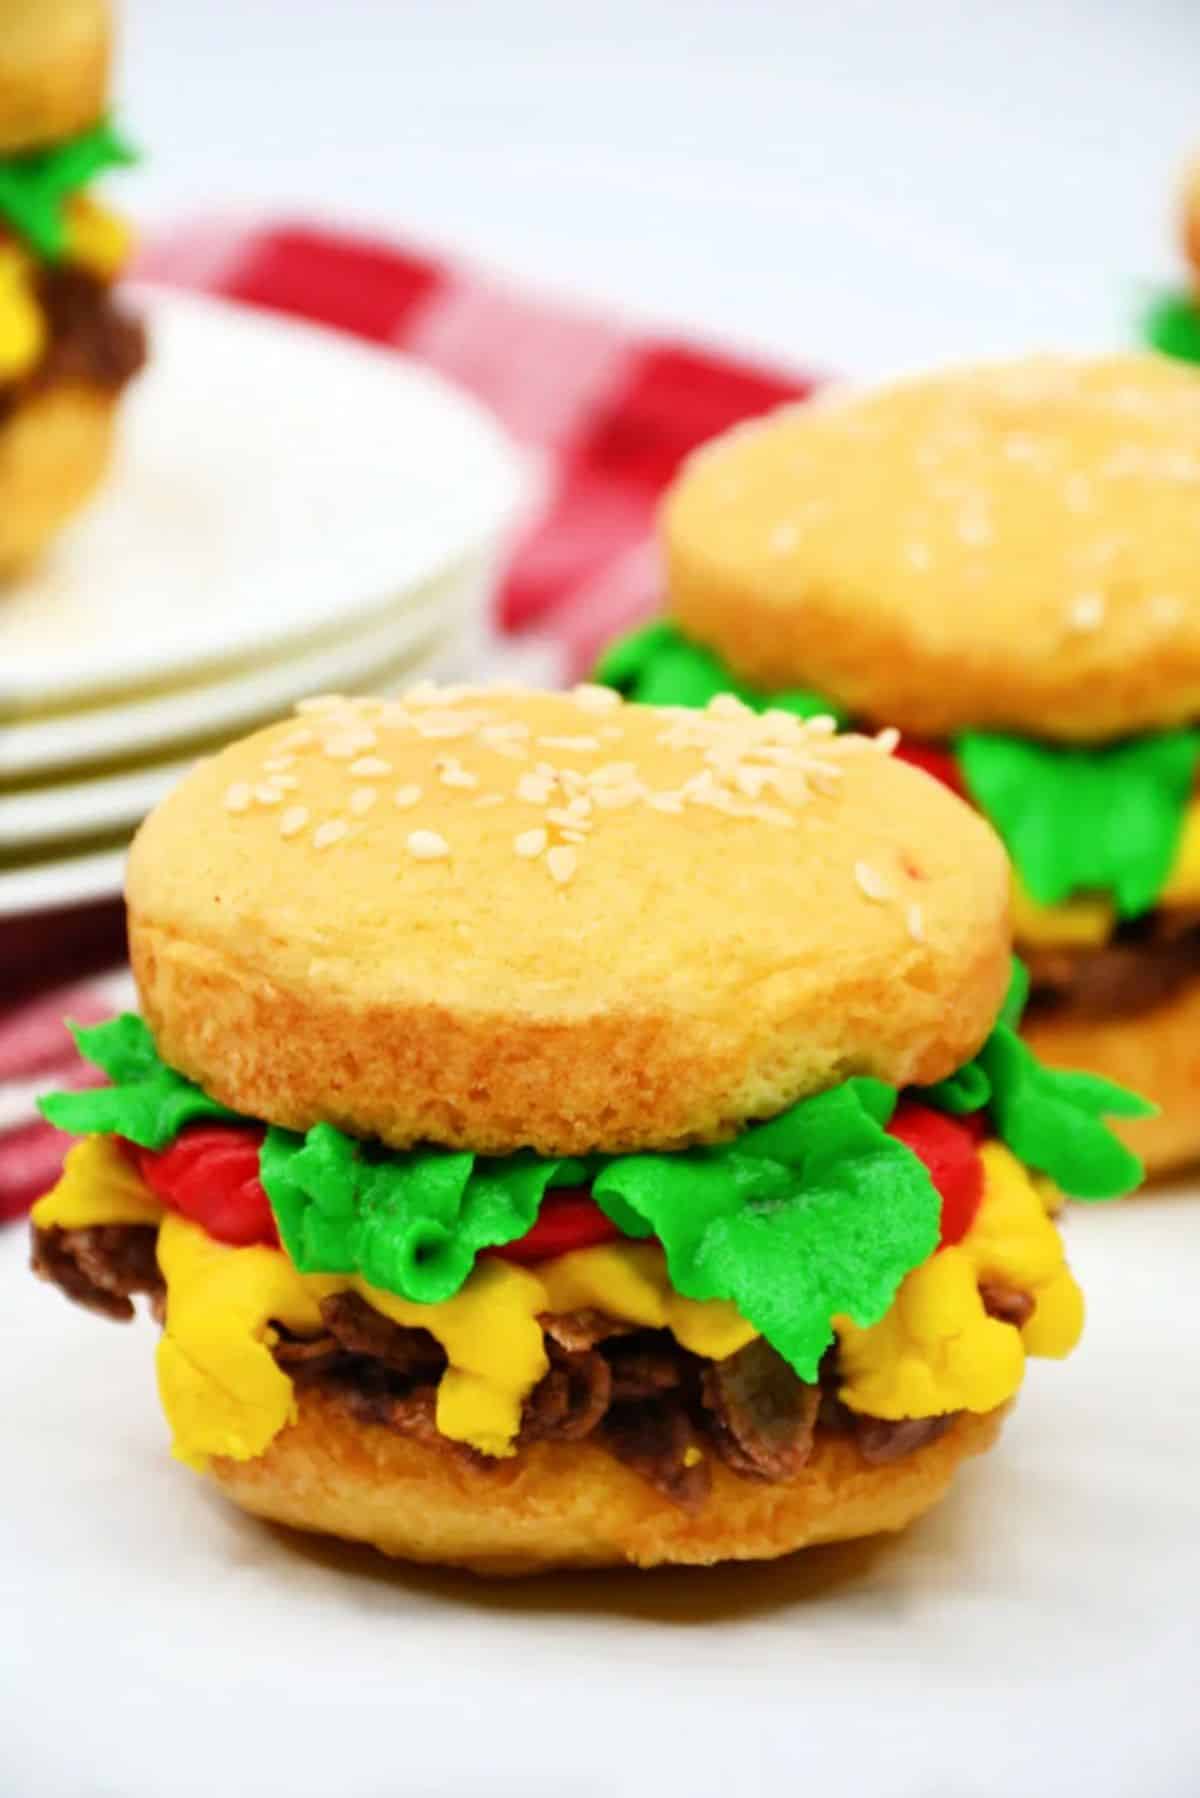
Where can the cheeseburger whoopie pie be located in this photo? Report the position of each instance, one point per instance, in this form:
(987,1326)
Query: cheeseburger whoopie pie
(1004,562)
(66,349)
(565,1132)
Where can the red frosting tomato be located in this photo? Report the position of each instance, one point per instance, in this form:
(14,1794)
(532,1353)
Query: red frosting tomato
(569,1219)
(210,1175)
(932,760)
(949,1149)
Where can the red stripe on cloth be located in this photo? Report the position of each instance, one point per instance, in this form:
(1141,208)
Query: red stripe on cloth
(672,399)
(366,288)
(31,1159)
(678,396)
(35,1035)
(543,370)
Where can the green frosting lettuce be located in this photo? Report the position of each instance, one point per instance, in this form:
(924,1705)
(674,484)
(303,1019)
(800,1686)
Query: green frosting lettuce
(411,1221)
(35,185)
(1172,325)
(797,1221)
(1101,820)
(148,1102)
(656,665)
(1052,1121)
(816,1214)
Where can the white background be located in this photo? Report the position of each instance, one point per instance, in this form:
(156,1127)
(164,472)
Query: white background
(851,184)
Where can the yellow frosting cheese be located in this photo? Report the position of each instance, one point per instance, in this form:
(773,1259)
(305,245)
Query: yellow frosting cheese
(98,1185)
(1089,922)
(224,1394)
(22,327)
(937,1349)
(97,239)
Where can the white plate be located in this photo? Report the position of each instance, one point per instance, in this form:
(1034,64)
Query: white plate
(140,726)
(70,810)
(84,808)
(1036,1634)
(275,485)
(66,880)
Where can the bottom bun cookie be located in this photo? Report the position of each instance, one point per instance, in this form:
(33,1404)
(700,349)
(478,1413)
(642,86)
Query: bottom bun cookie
(54,451)
(1155,1053)
(557,1505)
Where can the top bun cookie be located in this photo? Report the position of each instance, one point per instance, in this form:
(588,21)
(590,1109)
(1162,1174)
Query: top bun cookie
(54,67)
(490,920)
(1008,547)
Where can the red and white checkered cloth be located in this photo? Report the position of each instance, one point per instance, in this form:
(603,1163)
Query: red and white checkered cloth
(610,411)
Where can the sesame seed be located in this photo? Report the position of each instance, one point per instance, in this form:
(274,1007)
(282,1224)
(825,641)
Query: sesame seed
(888,738)
(494,734)
(362,799)
(267,794)
(427,846)
(299,739)
(405,797)
(974,529)
(665,802)
(750,781)
(293,820)
(346,744)
(332,831)
(611,772)
(395,716)
(917,556)
(573,836)
(238,796)
(278,764)
(450,724)
(871,881)
(488,799)
(452,775)
(591,698)
(534,789)
(562,863)
(370,764)
(783,538)
(530,843)
(916,923)
(581,743)
(614,798)
(1087,612)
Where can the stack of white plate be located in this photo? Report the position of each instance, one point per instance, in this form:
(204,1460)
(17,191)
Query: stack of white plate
(292,512)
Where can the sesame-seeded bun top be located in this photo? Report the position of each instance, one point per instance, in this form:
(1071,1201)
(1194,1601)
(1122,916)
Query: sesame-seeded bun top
(54,60)
(491,919)
(1009,547)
